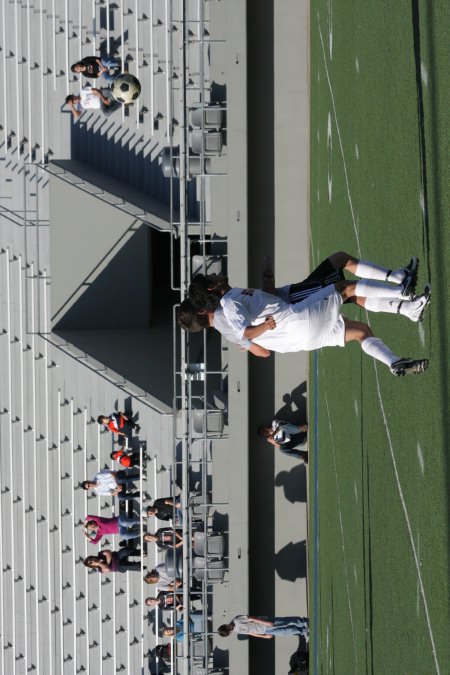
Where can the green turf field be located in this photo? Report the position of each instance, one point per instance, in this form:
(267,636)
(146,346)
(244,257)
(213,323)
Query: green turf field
(380,184)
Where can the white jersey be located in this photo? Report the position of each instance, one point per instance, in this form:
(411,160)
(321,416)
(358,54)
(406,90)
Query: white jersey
(316,322)
(224,328)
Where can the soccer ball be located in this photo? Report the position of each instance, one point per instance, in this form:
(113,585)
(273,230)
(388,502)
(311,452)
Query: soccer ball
(126,88)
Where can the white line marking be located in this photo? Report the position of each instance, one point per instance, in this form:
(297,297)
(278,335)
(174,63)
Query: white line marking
(422,334)
(330,28)
(422,202)
(423,74)
(356,151)
(355,573)
(356,408)
(357,64)
(388,434)
(342,532)
(358,247)
(356,492)
(318,195)
(420,458)
(330,157)
(318,136)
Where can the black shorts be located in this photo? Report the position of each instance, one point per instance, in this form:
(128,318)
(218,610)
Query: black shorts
(322,276)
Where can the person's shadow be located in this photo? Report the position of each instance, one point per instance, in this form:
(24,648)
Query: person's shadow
(290,561)
(294,483)
(296,398)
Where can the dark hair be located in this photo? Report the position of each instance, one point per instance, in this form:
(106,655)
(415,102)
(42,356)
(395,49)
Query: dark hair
(85,484)
(69,98)
(162,651)
(224,630)
(189,318)
(89,560)
(151,574)
(262,431)
(74,65)
(99,418)
(114,453)
(88,522)
(203,298)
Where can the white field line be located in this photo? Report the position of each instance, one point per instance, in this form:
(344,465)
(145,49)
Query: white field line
(340,141)
(388,435)
(342,533)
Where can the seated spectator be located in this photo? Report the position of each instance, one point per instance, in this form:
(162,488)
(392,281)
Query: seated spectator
(127,459)
(96,527)
(163,509)
(286,437)
(164,600)
(94,67)
(260,627)
(196,625)
(159,577)
(90,99)
(117,421)
(112,483)
(114,561)
(163,538)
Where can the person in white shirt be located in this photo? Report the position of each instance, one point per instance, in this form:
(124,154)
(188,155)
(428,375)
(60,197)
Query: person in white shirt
(159,577)
(90,98)
(112,483)
(314,323)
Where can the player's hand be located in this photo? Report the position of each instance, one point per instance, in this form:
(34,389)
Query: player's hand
(270,323)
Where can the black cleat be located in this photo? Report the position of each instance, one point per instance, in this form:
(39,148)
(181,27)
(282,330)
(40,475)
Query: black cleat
(409,282)
(409,367)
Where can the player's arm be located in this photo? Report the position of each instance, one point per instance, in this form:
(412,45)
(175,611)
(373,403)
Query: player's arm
(253,332)
(257,350)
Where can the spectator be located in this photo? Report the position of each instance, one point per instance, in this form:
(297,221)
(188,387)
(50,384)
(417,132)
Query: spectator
(96,527)
(94,67)
(117,421)
(163,509)
(126,459)
(260,627)
(286,437)
(196,625)
(114,561)
(164,600)
(159,577)
(90,99)
(111,484)
(163,538)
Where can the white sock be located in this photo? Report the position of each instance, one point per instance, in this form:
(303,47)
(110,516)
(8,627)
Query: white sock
(385,305)
(377,349)
(377,289)
(369,270)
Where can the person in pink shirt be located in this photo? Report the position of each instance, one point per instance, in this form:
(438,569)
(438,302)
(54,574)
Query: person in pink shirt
(96,527)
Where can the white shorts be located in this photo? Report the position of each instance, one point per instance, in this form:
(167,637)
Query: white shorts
(326,324)
(314,323)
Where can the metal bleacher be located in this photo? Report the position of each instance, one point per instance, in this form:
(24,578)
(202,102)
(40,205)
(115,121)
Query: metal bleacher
(56,616)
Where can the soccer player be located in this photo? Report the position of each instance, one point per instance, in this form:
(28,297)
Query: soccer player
(316,322)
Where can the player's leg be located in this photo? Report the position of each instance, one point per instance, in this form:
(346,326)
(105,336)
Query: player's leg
(374,347)
(412,309)
(365,269)
(368,289)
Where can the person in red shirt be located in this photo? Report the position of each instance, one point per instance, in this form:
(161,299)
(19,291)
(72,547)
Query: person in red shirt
(117,421)
(128,460)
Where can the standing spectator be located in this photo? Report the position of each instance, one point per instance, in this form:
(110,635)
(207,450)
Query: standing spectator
(114,561)
(163,538)
(94,67)
(260,627)
(286,437)
(96,527)
(90,98)
(111,484)
(117,421)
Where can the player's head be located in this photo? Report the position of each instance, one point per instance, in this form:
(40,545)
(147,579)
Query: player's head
(102,419)
(116,454)
(88,485)
(151,577)
(190,318)
(225,629)
(78,67)
(264,431)
(206,291)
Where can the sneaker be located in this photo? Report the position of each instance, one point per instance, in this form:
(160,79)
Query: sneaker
(409,367)
(419,304)
(410,280)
